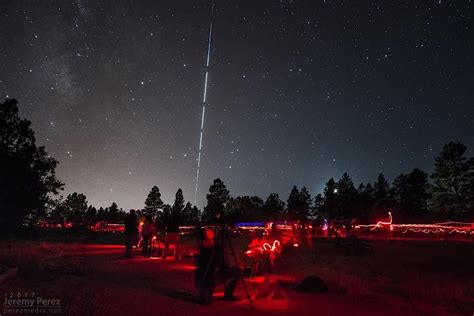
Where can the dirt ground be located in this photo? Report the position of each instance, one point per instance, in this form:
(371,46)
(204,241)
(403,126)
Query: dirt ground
(393,279)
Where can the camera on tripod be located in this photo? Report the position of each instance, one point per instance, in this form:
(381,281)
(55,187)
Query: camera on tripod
(218,216)
(212,263)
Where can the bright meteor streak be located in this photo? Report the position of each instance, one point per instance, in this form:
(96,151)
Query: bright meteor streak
(209,42)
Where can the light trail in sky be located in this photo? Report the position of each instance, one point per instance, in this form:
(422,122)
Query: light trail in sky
(204,102)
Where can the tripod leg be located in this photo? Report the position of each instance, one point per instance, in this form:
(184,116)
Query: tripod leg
(257,266)
(238,269)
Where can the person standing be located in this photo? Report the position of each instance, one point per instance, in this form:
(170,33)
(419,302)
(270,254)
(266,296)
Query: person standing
(147,233)
(212,268)
(172,235)
(131,231)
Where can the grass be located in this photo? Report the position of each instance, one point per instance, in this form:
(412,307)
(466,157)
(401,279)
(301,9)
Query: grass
(430,276)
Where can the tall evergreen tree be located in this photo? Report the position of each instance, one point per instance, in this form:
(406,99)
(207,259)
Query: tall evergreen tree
(273,207)
(305,203)
(101,214)
(381,188)
(245,208)
(452,187)
(187,214)
(318,205)
(347,195)
(190,215)
(175,218)
(365,202)
(216,200)
(27,173)
(178,205)
(90,218)
(113,213)
(195,216)
(411,195)
(345,185)
(383,197)
(293,203)
(468,185)
(330,205)
(57,214)
(163,217)
(75,207)
(153,202)
(369,191)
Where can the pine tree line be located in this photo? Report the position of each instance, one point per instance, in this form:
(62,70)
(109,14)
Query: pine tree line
(75,209)
(448,194)
(28,184)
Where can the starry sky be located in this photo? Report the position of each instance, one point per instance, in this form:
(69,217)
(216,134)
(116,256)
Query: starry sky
(299,91)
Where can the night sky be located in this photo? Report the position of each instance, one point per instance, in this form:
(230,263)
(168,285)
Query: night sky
(298,91)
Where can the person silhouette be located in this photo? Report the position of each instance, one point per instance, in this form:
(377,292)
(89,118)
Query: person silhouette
(147,233)
(131,232)
(172,236)
(212,267)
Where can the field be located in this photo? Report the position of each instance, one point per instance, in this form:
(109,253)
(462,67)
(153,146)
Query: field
(364,278)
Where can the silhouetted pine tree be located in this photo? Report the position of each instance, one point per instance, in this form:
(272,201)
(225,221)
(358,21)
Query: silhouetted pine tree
(186,214)
(75,207)
(366,202)
(347,196)
(330,205)
(90,218)
(468,184)
(101,214)
(164,216)
(113,213)
(452,188)
(273,207)
(153,202)
(293,204)
(178,205)
(411,195)
(304,204)
(195,216)
(216,200)
(318,205)
(27,173)
(383,197)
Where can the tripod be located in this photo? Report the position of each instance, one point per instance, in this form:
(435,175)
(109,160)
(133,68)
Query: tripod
(221,239)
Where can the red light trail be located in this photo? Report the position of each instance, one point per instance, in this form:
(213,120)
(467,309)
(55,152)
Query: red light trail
(435,228)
